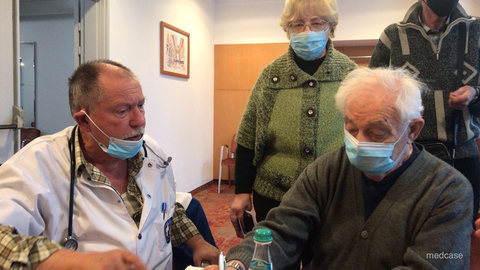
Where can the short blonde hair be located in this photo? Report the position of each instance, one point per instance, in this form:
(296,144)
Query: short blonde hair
(295,9)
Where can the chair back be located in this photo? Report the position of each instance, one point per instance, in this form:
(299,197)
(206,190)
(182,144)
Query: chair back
(233,145)
(28,134)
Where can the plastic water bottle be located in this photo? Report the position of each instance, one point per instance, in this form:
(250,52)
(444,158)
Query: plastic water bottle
(261,256)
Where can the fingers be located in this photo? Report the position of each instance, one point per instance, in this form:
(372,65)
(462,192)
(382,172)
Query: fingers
(114,259)
(460,98)
(236,210)
(457,104)
(211,267)
(206,252)
(242,202)
(132,261)
(235,218)
(477,224)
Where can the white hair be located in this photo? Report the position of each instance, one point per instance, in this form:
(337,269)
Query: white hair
(398,81)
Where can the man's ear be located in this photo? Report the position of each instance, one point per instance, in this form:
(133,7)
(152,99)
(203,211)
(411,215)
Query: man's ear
(415,126)
(82,120)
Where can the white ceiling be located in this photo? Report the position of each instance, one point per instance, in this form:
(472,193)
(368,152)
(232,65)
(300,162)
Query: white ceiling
(30,8)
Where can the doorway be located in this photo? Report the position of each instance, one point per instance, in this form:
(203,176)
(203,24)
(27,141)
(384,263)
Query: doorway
(50,26)
(66,33)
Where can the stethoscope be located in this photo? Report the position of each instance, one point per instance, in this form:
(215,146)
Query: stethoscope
(69,241)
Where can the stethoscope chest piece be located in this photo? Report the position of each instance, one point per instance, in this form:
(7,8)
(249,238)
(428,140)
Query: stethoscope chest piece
(69,242)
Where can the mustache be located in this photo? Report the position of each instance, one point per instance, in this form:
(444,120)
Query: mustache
(136,132)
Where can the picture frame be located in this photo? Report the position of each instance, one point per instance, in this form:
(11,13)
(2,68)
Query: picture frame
(174,51)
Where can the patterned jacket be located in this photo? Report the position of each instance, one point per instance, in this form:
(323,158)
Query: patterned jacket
(407,45)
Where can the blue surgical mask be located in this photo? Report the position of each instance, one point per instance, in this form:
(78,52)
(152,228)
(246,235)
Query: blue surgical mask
(371,157)
(118,148)
(308,45)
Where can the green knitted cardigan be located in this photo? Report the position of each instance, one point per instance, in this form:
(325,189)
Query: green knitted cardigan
(291,119)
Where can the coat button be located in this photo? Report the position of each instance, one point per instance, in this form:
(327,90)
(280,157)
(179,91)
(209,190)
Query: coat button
(310,112)
(150,165)
(275,79)
(307,150)
(140,236)
(293,77)
(312,83)
(364,234)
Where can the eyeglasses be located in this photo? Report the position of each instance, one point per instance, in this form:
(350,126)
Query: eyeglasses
(316,24)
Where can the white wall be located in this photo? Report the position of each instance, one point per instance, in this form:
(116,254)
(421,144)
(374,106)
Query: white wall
(53,37)
(248,21)
(6,79)
(471,6)
(257,21)
(179,111)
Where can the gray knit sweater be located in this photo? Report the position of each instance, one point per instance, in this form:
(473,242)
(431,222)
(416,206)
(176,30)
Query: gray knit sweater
(407,45)
(425,215)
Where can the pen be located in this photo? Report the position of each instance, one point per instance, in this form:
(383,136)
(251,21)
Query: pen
(221,262)
(164,209)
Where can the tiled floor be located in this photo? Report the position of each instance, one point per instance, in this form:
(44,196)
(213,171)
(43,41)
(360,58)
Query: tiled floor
(217,209)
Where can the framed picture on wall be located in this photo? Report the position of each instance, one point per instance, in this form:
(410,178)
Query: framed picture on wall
(174,51)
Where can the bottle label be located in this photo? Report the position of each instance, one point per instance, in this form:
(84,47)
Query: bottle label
(260,265)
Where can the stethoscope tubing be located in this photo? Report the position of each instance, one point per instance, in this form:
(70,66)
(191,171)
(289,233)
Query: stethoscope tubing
(71,242)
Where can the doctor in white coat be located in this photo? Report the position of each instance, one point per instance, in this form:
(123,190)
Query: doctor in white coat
(123,187)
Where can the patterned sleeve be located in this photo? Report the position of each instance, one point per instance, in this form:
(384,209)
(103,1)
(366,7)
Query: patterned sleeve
(381,54)
(23,252)
(182,227)
(247,129)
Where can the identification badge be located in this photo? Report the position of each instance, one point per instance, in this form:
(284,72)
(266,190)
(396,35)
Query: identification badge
(167,230)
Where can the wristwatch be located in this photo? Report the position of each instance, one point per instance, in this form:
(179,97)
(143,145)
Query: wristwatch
(235,265)
(477,95)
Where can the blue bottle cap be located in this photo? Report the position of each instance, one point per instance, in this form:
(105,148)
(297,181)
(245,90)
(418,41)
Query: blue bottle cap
(263,235)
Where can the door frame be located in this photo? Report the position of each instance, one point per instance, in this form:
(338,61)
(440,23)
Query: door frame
(90,42)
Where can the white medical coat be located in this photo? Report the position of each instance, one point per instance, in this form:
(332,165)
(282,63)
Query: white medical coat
(34,198)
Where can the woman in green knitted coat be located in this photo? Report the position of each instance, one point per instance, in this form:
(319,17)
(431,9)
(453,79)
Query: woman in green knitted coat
(290,118)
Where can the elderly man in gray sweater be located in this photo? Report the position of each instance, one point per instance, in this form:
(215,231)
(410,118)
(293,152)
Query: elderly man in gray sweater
(380,201)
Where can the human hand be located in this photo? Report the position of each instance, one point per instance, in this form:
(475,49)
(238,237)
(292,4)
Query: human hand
(242,202)
(477,229)
(202,250)
(111,260)
(460,98)
(212,267)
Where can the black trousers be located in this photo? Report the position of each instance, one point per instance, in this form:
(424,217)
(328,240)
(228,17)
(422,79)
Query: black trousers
(262,205)
(470,168)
